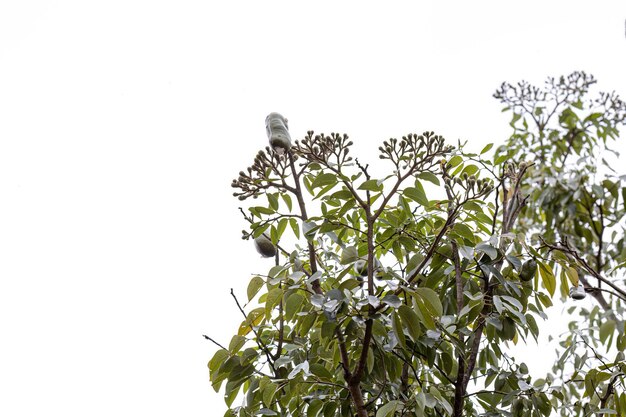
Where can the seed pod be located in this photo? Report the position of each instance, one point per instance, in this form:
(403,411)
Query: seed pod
(265,246)
(577,293)
(278,132)
(529,269)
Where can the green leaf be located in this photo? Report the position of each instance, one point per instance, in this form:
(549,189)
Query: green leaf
(254,318)
(324,179)
(287,199)
(218,359)
(424,315)
(547,277)
(236,343)
(325,189)
(273,298)
(455,160)
(231,394)
(314,408)
(320,371)
(389,409)
(429,176)
(371,185)
(489,250)
(417,194)
(500,159)
(572,275)
(268,393)
(342,194)
(544,300)
(463,230)
(254,286)
(262,210)
(248,356)
(606,329)
(349,255)
(497,303)
(273,201)
(392,300)
(411,321)
(486,148)
(282,225)
(532,325)
(294,226)
(474,206)
(470,169)
(397,329)
(515,118)
(293,305)
(330,409)
(431,301)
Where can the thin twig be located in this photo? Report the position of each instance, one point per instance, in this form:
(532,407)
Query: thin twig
(208,338)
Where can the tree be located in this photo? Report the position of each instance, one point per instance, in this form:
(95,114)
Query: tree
(576,221)
(398,294)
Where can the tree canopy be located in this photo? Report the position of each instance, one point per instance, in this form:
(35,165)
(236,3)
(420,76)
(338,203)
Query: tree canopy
(398,295)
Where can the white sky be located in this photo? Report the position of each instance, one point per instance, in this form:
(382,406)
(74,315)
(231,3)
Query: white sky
(122,124)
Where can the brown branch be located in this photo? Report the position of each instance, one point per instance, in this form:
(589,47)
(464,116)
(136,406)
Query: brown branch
(459,388)
(208,338)
(471,363)
(355,389)
(357,398)
(404,378)
(281,324)
(410,365)
(431,251)
(457,277)
(367,340)
(609,391)
(312,260)
(369,323)
(260,343)
(509,216)
(565,247)
(599,263)
(400,180)
(592,290)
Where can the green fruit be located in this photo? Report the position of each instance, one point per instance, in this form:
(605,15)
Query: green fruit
(529,269)
(265,246)
(278,132)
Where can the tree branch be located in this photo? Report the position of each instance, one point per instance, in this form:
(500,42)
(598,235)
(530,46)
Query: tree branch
(459,387)
(565,247)
(260,343)
(208,338)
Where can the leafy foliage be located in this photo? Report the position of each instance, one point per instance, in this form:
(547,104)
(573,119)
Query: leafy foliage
(397,295)
(575,217)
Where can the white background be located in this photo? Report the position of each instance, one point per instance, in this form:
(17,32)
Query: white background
(122,124)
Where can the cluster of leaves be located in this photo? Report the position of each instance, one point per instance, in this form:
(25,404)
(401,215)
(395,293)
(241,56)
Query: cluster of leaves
(575,217)
(397,295)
